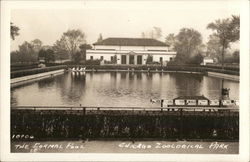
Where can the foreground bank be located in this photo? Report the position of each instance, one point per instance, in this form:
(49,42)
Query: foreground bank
(166,147)
(188,123)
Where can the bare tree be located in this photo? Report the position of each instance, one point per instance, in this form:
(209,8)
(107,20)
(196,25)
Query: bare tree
(171,40)
(155,33)
(70,42)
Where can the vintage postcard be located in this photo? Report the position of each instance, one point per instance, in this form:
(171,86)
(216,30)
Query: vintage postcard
(125,80)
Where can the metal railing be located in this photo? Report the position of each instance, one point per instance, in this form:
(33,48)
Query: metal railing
(96,108)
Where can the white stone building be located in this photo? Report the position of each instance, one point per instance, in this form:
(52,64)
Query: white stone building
(207,60)
(130,51)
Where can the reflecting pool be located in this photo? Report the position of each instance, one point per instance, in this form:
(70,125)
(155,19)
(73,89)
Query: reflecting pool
(118,89)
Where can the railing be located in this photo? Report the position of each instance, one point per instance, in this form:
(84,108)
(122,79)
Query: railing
(171,108)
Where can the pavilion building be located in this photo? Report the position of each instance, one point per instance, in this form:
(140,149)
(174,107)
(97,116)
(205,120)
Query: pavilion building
(130,51)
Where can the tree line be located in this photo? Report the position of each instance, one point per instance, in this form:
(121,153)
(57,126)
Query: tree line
(72,46)
(187,43)
(190,49)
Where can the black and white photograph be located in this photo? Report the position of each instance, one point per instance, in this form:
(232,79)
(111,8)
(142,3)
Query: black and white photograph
(165,78)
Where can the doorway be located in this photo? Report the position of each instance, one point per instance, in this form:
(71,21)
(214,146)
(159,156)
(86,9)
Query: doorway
(139,59)
(131,59)
(124,60)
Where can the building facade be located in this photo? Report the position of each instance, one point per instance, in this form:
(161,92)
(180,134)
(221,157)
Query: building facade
(207,60)
(130,51)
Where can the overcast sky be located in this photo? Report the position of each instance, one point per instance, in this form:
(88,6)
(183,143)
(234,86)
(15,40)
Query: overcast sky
(130,21)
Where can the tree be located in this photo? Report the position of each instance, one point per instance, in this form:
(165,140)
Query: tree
(171,41)
(13,31)
(100,38)
(15,57)
(83,48)
(42,53)
(60,50)
(227,30)
(37,44)
(187,44)
(236,56)
(27,53)
(77,57)
(70,42)
(197,59)
(235,27)
(149,59)
(155,33)
(47,54)
(214,47)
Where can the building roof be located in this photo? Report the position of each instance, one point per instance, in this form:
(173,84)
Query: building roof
(131,42)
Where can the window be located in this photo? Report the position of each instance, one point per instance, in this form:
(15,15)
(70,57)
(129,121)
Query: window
(124,59)
(139,60)
(131,59)
(91,57)
(101,57)
(160,59)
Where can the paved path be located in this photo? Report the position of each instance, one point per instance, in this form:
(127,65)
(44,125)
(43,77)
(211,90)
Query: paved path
(29,78)
(225,76)
(165,147)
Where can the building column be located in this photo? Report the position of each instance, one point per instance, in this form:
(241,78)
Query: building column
(135,59)
(119,59)
(144,58)
(127,59)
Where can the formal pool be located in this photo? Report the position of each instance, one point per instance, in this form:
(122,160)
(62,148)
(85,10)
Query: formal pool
(118,89)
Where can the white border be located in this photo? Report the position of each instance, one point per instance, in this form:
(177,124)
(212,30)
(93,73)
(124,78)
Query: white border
(6,7)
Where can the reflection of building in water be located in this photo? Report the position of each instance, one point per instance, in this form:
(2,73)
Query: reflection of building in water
(130,51)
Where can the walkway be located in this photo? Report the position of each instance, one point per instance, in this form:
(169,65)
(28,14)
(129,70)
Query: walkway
(224,76)
(29,78)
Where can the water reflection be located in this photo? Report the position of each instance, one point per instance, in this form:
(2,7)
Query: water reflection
(74,89)
(187,85)
(118,89)
(46,83)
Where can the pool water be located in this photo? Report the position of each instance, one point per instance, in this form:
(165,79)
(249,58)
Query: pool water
(118,89)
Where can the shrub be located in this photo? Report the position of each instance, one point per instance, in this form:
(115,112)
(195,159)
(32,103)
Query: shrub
(16,67)
(92,62)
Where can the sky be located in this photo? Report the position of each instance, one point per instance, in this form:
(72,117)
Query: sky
(120,19)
